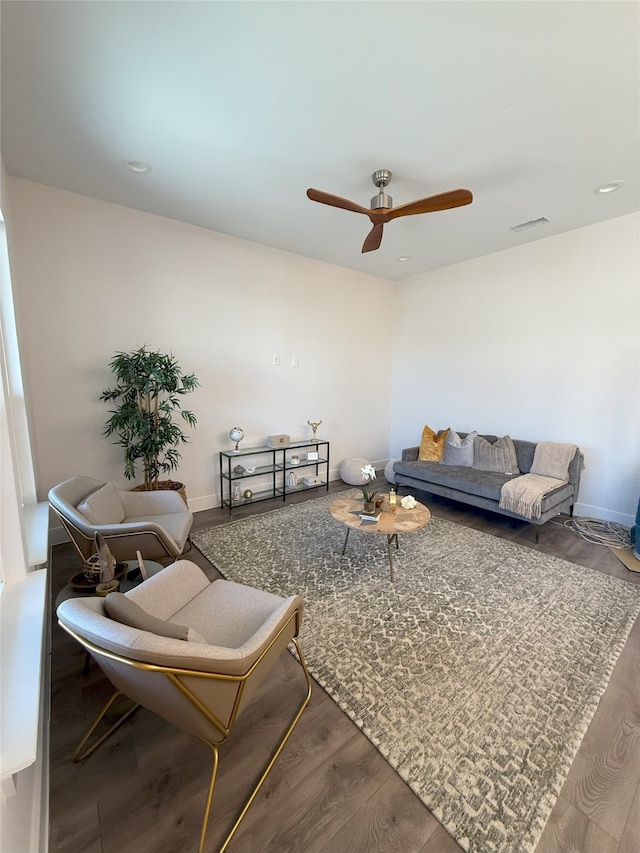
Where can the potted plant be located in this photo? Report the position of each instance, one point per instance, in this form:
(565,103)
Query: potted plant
(148,394)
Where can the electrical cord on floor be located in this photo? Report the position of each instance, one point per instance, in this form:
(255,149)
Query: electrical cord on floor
(608,533)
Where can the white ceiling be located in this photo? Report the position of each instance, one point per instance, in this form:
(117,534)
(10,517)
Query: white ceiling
(239,107)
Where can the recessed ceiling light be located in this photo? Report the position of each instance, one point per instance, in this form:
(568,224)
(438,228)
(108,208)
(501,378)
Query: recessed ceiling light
(611,187)
(403,258)
(136,166)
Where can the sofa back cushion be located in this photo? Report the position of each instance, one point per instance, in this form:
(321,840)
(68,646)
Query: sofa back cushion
(525,451)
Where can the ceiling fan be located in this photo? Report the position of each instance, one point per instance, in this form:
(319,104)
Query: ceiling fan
(382,209)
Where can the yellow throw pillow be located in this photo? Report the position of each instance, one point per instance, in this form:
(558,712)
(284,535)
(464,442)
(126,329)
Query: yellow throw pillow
(432,444)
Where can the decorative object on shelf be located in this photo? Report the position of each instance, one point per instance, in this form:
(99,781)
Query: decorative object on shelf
(106,559)
(248,494)
(237,492)
(313,456)
(313,480)
(91,570)
(251,469)
(147,394)
(236,434)
(87,580)
(294,460)
(408,502)
(105,588)
(280,440)
(292,480)
(369,475)
(239,470)
(314,426)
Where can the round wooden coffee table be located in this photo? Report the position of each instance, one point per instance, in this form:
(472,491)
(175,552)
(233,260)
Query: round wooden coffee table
(347,511)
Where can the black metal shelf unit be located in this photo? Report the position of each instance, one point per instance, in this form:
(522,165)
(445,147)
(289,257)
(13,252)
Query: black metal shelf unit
(271,469)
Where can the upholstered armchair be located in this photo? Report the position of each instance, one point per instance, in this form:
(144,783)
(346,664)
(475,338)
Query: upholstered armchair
(191,651)
(155,523)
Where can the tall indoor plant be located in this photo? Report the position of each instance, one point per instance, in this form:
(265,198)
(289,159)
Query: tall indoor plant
(148,394)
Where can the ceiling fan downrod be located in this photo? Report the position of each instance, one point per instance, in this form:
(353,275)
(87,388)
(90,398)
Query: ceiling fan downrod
(380,179)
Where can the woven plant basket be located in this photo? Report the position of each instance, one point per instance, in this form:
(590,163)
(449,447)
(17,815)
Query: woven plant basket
(174,485)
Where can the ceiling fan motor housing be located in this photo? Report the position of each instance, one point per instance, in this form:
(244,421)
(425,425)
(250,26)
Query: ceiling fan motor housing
(381,178)
(381,200)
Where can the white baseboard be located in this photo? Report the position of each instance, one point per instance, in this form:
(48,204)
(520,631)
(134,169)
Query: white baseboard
(602,514)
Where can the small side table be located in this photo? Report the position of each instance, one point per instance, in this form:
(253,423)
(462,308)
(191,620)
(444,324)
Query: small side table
(129,580)
(347,511)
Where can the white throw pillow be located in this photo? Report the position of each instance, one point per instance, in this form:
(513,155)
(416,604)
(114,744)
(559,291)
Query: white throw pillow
(103,506)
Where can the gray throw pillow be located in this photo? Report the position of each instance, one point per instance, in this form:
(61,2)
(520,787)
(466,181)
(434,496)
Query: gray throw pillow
(499,456)
(124,610)
(103,506)
(459,451)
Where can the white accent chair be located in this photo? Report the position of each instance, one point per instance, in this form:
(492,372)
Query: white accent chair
(155,523)
(233,635)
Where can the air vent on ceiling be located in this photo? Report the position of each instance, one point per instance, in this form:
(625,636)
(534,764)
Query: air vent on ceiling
(530,224)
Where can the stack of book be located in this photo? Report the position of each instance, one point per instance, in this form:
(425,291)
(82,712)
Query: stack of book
(371,516)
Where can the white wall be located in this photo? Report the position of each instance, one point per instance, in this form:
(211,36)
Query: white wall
(94,278)
(539,342)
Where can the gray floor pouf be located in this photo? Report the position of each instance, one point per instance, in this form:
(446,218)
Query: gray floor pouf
(351,471)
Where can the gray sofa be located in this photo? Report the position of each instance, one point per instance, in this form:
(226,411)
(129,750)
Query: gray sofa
(482,488)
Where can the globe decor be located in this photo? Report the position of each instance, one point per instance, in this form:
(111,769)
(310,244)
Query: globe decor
(148,393)
(236,434)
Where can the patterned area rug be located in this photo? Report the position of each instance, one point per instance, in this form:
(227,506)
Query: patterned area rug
(475,674)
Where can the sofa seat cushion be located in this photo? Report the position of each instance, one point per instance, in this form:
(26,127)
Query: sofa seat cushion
(229,614)
(486,484)
(176,524)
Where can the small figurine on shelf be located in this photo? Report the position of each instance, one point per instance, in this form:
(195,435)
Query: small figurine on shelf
(314,426)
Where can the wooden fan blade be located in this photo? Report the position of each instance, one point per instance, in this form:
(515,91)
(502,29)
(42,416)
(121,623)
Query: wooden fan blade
(443,201)
(373,239)
(336,201)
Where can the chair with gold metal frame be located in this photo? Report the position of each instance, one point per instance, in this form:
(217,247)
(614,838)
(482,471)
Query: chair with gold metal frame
(233,636)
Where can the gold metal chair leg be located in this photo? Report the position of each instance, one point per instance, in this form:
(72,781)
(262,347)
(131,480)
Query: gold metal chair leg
(266,771)
(212,784)
(79,755)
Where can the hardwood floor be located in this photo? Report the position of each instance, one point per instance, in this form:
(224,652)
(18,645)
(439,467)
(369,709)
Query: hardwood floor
(143,791)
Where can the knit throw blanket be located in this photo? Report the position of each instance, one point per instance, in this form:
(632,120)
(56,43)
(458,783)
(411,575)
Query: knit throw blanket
(550,469)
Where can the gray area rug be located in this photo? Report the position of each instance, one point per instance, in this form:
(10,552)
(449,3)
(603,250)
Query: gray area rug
(475,674)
